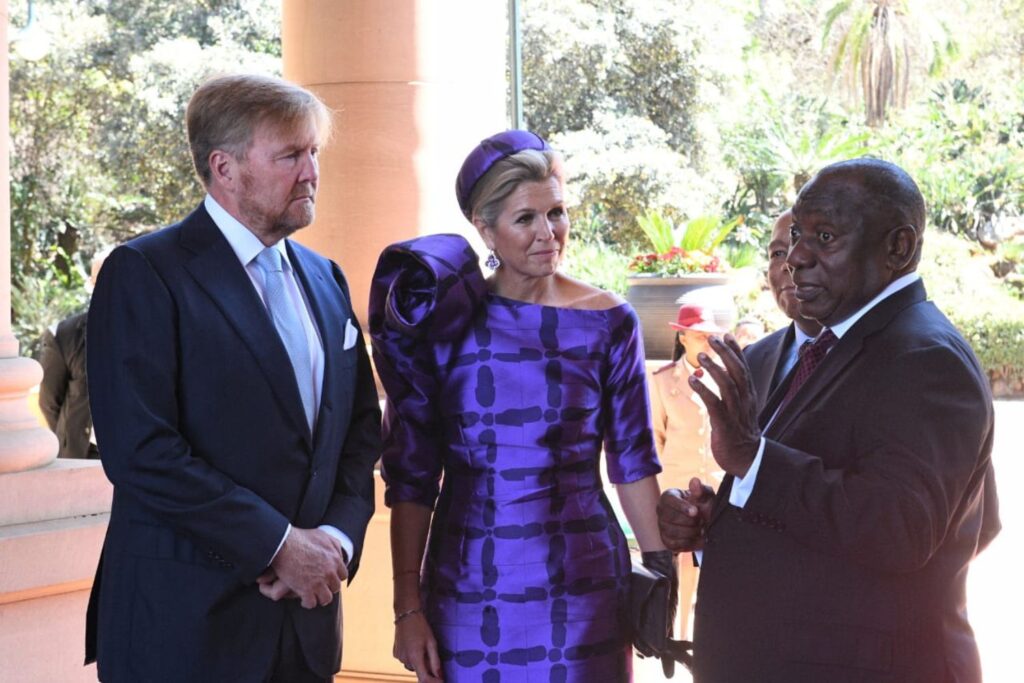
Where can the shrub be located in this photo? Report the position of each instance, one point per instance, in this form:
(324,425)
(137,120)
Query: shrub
(597,264)
(961,283)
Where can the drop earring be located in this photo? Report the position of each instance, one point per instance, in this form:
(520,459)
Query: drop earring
(492,261)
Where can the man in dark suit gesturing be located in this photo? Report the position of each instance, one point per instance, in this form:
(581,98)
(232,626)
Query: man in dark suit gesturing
(236,415)
(837,547)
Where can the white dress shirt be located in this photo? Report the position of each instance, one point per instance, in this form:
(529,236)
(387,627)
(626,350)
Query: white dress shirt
(743,487)
(247,246)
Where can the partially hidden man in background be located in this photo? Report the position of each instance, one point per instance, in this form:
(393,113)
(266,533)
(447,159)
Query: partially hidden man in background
(64,389)
(236,415)
(838,545)
(772,358)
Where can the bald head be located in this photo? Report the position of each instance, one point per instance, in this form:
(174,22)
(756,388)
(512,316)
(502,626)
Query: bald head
(877,194)
(856,228)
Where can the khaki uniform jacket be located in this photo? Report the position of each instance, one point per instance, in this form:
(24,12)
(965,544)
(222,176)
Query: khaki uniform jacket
(682,432)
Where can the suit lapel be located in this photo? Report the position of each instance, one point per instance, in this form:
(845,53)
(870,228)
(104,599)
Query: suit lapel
(778,356)
(311,281)
(773,358)
(216,270)
(329,315)
(844,353)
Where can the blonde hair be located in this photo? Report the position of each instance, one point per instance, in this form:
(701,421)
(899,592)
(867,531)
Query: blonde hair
(225,112)
(502,179)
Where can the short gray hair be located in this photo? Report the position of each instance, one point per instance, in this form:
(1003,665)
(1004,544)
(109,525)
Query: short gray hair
(225,111)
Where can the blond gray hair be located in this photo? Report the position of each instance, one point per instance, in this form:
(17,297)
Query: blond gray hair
(502,179)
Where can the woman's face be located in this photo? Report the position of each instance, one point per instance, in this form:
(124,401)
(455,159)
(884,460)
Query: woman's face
(696,342)
(530,232)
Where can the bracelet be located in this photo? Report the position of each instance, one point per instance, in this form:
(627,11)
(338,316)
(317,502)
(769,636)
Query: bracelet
(408,613)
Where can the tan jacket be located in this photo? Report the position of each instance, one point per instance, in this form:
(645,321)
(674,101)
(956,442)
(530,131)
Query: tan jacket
(682,433)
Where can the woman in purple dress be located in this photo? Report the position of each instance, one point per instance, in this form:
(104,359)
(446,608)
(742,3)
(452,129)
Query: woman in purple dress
(501,394)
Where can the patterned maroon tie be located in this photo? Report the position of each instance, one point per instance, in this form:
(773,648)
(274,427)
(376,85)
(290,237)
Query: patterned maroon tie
(811,354)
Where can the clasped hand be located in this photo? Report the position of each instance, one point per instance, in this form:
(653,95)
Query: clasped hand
(683,516)
(310,566)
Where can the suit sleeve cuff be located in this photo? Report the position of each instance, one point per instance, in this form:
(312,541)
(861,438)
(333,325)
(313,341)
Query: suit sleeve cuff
(346,543)
(742,488)
(280,545)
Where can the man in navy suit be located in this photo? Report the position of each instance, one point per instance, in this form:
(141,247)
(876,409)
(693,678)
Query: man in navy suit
(236,415)
(771,358)
(837,546)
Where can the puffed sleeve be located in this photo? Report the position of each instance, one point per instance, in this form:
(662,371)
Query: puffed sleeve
(628,439)
(424,292)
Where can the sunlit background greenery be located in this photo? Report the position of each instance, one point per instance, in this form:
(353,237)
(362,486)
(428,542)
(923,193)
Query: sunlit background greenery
(684,108)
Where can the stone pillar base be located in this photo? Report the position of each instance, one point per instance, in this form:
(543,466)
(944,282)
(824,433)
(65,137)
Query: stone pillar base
(24,444)
(52,524)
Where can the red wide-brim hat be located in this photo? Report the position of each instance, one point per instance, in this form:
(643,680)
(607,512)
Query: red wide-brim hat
(697,318)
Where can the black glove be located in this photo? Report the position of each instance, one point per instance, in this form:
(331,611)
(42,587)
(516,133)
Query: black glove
(663,562)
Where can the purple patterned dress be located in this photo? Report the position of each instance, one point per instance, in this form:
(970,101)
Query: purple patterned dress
(497,413)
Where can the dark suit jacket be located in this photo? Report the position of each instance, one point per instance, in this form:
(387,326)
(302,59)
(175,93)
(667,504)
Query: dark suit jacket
(64,390)
(202,432)
(763,357)
(849,560)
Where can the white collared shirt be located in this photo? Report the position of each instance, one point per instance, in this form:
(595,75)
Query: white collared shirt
(743,487)
(247,246)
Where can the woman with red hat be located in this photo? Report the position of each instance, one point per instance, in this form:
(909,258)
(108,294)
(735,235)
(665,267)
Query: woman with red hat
(682,432)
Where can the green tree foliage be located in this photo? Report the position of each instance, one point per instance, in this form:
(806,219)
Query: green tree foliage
(779,146)
(98,148)
(965,148)
(876,47)
(619,88)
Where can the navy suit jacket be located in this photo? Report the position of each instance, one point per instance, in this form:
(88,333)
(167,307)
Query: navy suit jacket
(202,432)
(849,561)
(763,358)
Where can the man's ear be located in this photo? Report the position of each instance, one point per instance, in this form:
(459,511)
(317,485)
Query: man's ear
(902,245)
(224,169)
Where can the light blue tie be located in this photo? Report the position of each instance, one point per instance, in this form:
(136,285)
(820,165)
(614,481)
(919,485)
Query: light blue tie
(289,325)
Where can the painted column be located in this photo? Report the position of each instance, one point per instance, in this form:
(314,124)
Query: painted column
(415,84)
(24,444)
(53,513)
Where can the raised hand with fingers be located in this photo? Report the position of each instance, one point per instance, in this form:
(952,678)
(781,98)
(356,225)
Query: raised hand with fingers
(683,516)
(735,432)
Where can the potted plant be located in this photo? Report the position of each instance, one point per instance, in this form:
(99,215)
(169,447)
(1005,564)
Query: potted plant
(684,259)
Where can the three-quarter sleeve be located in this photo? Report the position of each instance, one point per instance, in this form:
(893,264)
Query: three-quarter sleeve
(628,440)
(424,292)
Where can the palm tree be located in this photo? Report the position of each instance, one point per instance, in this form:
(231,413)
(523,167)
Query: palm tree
(877,47)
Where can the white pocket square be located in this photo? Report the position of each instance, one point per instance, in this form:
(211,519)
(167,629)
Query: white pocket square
(351,334)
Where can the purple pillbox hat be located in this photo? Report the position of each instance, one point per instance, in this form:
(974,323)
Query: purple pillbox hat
(488,153)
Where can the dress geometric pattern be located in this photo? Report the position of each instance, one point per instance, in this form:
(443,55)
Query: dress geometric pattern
(526,572)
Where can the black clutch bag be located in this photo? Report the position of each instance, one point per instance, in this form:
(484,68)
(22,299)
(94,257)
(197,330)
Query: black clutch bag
(652,599)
